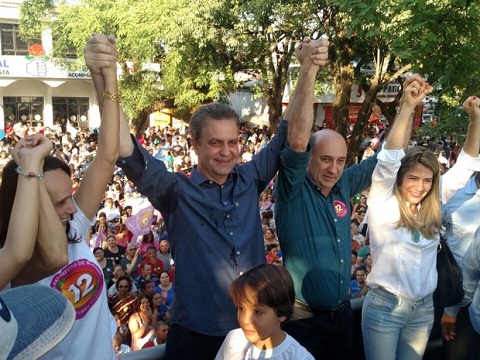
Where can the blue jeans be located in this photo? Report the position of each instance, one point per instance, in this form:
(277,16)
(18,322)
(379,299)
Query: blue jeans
(395,328)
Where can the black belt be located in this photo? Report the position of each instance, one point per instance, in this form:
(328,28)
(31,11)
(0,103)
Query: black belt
(322,312)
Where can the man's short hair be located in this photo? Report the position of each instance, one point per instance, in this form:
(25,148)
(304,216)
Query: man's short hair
(205,113)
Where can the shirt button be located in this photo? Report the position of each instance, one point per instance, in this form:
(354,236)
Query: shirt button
(238,252)
(231,233)
(341,260)
(338,240)
(236,204)
(210,182)
(341,281)
(241,272)
(124,161)
(334,220)
(228,216)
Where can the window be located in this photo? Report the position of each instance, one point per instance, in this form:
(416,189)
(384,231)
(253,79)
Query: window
(25,109)
(75,110)
(10,40)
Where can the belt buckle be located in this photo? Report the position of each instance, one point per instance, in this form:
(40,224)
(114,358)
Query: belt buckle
(331,312)
(303,306)
(338,309)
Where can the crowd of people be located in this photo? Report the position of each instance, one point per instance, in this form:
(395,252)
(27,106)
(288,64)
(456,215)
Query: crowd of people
(227,200)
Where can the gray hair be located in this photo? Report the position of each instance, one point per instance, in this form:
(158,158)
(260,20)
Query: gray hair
(205,113)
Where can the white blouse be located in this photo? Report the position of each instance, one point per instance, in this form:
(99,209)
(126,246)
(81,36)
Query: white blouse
(402,263)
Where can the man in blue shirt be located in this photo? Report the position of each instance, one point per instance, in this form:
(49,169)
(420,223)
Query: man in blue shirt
(471,285)
(358,286)
(212,217)
(312,214)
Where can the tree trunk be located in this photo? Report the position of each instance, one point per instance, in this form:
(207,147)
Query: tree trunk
(361,123)
(274,103)
(141,123)
(277,75)
(341,105)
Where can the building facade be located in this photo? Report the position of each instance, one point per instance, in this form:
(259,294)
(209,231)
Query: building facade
(36,90)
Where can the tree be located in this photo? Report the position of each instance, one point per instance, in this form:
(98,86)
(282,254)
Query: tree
(201,45)
(253,37)
(134,25)
(379,42)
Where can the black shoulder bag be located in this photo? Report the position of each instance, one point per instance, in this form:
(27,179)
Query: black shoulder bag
(449,289)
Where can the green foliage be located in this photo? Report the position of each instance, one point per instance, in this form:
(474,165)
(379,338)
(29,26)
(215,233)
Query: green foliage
(35,15)
(201,44)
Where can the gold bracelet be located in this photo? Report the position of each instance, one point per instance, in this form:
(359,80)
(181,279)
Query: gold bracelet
(107,94)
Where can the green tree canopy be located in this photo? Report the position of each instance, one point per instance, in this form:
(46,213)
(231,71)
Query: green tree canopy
(200,45)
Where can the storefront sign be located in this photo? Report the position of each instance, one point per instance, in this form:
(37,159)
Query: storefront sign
(37,64)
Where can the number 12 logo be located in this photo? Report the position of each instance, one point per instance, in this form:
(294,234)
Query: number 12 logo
(82,283)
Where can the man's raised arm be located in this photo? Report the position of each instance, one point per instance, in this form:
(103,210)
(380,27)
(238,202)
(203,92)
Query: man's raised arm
(312,55)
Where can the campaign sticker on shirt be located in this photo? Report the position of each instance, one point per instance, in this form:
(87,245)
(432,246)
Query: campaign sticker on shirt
(340,208)
(82,283)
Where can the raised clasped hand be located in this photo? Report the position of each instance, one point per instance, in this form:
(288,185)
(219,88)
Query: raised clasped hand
(314,50)
(415,90)
(100,52)
(36,146)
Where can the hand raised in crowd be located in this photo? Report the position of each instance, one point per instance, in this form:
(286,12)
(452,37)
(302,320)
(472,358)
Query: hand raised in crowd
(31,147)
(472,108)
(111,67)
(416,90)
(315,50)
(408,82)
(100,52)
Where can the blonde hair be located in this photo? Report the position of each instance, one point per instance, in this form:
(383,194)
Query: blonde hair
(428,219)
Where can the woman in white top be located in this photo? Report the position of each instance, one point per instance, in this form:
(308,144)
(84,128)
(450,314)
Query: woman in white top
(398,312)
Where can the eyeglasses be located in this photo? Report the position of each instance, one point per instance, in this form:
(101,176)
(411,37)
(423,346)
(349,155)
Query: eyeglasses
(132,249)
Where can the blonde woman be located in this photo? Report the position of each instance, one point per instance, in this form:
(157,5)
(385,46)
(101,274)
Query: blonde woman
(398,311)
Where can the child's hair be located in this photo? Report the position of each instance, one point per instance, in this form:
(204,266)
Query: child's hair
(274,287)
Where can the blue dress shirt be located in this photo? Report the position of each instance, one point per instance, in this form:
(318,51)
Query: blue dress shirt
(214,230)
